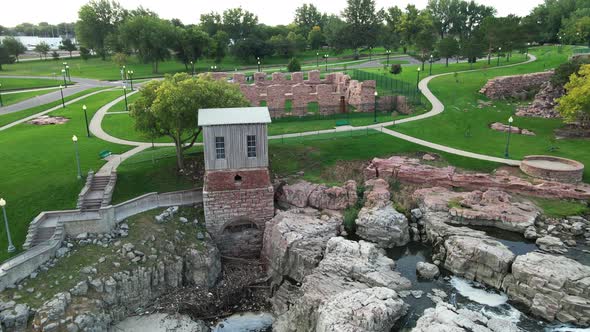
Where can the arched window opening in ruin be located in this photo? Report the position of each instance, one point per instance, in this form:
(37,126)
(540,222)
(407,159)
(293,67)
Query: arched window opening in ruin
(313,107)
(239,226)
(288,106)
(238,178)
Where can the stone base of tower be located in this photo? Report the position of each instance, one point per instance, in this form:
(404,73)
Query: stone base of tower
(235,217)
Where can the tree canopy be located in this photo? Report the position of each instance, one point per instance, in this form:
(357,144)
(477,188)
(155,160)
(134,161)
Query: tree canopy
(97,20)
(170,107)
(575,105)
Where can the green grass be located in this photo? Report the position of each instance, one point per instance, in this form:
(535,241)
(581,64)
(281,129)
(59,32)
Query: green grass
(561,208)
(13,98)
(39,167)
(465,126)
(11,117)
(120,106)
(153,170)
(26,83)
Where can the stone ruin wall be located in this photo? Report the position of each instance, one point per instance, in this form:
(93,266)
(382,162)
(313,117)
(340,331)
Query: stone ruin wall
(516,86)
(326,92)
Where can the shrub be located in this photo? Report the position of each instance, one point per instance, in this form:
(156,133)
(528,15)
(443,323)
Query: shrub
(565,70)
(55,55)
(350,216)
(294,65)
(396,69)
(84,53)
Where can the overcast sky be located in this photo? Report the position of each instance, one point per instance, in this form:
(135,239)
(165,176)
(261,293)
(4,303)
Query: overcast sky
(270,12)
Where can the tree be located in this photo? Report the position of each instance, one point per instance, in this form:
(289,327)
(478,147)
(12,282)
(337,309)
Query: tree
(14,47)
(575,105)
(472,48)
(190,44)
(68,45)
(150,36)
(84,53)
(444,14)
(492,32)
(447,48)
(424,36)
(96,21)
(391,36)
(219,46)
(210,23)
(239,23)
(396,69)
(334,33)
(294,65)
(576,29)
(42,48)
(169,107)
(120,59)
(5,57)
(362,23)
(55,55)
(315,38)
(307,17)
(565,70)
(251,48)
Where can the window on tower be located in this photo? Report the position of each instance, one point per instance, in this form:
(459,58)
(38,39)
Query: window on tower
(220,147)
(251,144)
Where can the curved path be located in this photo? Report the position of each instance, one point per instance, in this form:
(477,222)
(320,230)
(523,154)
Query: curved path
(437,108)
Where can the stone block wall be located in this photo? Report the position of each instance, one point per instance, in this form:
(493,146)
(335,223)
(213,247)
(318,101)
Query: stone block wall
(328,92)
(516,86)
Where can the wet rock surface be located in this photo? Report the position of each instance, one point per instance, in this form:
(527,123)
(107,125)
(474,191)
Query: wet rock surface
(553,287)
(427,270)
(447,318)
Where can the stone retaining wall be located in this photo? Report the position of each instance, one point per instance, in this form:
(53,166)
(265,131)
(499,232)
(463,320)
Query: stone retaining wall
(74,222)
(572,175)
(516,86)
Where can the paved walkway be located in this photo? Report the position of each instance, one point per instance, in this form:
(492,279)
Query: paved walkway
(82,85)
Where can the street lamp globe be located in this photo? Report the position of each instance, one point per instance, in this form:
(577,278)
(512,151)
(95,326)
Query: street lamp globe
(74,138)
(124,87)
(376,93)
(61,86)
(84,107)
(418,69)
(2,202)
(63,71)
(510,120)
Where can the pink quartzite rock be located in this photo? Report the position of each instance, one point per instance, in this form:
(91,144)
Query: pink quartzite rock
(410,170)
(490,208)
(303,194)
(544,104)
(377,193)
(497,126)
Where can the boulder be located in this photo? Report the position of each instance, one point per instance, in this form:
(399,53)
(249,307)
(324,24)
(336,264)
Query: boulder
(447,318)
(303,194)
(347,266)
(202,267)
(294,242)
(383,225)
(370,310)
(551,244)
(544,104)
(427,270)
(492,207)
(553,287)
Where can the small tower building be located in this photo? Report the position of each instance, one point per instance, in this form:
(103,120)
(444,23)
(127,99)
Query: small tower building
(238,196)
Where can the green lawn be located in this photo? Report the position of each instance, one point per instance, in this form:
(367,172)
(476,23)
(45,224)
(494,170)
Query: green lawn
(26,83)
(11,117)
(108,70)
(120,106)
(465,126)
(39,169)
(13,98)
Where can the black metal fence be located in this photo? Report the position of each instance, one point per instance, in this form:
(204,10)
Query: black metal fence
(313,111)
(389,86)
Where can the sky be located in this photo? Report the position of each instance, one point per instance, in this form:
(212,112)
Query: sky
(271,12)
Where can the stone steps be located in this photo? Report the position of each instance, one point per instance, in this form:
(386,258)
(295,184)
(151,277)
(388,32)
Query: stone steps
(43,234)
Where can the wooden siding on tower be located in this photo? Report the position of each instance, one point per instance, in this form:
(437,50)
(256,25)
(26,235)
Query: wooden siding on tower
(236,152)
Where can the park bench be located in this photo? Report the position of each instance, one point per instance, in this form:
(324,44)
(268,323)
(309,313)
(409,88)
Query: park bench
(104,153)
(342,123)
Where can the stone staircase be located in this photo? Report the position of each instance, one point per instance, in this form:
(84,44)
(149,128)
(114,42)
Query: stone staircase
(43,234)
(97,192)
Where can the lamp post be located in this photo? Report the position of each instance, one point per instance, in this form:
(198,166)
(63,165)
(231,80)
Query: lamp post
(430,71)
(326,57)
(418,80)
(526,53)
(370,53)
(63,73)
(11,247)
(123,74)
(130,74)
(375,108)
(317,59)
(61,90)
(388,52)
(193,68)
(510,120)
(1,103)
(75,140)
(499,49)
(68,73)
(125,93)
(86,118)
